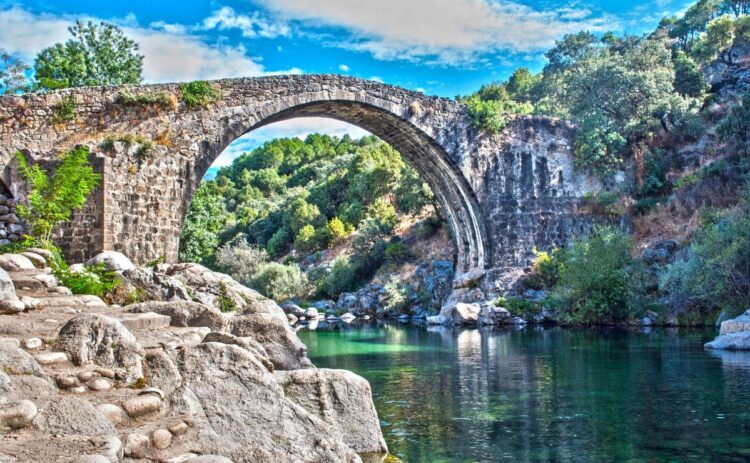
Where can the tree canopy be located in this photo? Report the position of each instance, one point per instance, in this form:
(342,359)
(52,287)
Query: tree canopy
(97,54)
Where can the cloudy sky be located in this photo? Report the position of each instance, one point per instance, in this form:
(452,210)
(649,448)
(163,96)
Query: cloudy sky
(440,47)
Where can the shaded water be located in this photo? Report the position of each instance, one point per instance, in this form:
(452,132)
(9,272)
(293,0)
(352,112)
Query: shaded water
(556,395)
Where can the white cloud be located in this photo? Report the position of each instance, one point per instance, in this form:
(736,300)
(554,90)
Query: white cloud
(251,26)
(344,68)
(170,52)
(377,79)
(439,31)
(300,127)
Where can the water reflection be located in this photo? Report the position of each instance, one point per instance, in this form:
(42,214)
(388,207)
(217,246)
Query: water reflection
(550,395)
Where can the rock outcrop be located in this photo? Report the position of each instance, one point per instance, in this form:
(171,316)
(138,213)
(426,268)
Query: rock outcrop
(241,411)
(171,381)
(342,400)
(734,334)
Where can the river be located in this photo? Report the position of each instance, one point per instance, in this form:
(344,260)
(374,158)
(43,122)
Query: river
(547,395)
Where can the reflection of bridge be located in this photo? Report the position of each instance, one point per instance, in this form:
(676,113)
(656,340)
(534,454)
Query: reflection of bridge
(500,194)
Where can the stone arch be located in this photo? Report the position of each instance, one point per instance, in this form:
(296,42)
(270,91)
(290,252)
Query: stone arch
(420,150)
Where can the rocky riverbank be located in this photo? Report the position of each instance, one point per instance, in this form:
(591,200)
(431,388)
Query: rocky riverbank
(168,377)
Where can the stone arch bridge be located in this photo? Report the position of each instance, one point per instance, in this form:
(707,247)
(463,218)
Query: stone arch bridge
(501,194)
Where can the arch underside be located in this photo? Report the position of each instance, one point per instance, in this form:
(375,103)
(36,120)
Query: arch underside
(453,193)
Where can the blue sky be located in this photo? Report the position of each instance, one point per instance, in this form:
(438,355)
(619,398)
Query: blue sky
(439,47)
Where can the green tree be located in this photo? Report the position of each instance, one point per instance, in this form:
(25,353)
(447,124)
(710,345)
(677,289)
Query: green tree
(337,231)
(717,40)
(13,74)
(734,129)
(596,277)
(306,239)
(522,85)
(97,54)
(205,219)
(52,200)
(688,78)
(280,282)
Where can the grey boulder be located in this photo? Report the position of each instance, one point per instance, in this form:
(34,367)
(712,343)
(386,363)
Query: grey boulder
(342,399)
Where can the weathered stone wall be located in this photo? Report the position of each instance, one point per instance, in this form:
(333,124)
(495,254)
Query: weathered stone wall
(501,194)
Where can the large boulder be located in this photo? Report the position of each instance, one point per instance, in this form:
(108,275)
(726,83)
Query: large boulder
(341,399)
(184,313)
(240,411)
(104,341)
(209,288)
(733,341)
(490,314)
(148,284)
(284,348)
(737,324)
(461,313)
(113,261)
(15,262)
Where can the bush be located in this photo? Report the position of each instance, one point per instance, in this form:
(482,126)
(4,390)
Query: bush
(547,266)
(341,278)
(605,204)
(52,200)
(241,260)
(493,116)
(306,239)
(64,111)
(397,253)
(280,282)
(160,99)
(198,94)
(95,280)
(518,307)
(597,275)
(715,272)
(397,296)
(337,231)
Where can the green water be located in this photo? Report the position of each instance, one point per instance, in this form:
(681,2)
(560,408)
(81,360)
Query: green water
(556,395)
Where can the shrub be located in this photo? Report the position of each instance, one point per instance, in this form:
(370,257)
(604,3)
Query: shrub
(596,277)
(337,231)
(606,204)
(547,266)
(226,304)
(95,280)
(65,110)
(278,243)
(341,278)
(306,239)
(397,253)
(241,260)
(599,148)
(715,272)
(162,99)
(52,200)
(397,296)
(198,94)
(518,307)
(734,129)
(280,282)
(493,116)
